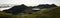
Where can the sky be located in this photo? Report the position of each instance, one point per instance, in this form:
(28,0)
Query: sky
(30,2)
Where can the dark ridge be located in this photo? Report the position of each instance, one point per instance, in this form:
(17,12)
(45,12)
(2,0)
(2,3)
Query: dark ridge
(47,6)
(16,9)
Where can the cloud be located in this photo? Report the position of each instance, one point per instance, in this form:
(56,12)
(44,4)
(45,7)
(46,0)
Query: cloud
(29,2)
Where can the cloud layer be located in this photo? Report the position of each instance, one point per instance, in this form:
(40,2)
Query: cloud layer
(30,2)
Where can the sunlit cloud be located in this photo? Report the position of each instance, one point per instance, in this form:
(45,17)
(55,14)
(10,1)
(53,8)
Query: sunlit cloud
(30,2)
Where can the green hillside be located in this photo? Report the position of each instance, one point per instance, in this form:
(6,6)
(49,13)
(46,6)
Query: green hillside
(55,13)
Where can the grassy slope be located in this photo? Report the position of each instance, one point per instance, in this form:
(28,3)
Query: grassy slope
(54,13)
(3,14)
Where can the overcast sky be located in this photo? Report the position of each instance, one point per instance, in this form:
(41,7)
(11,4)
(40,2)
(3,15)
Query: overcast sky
(30,2)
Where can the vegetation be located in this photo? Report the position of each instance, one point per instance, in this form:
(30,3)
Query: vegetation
(48,13)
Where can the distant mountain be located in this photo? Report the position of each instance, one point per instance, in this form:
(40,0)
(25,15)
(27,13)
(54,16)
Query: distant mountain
(6,6)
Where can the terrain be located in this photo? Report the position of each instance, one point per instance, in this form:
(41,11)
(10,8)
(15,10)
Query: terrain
(43,13)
